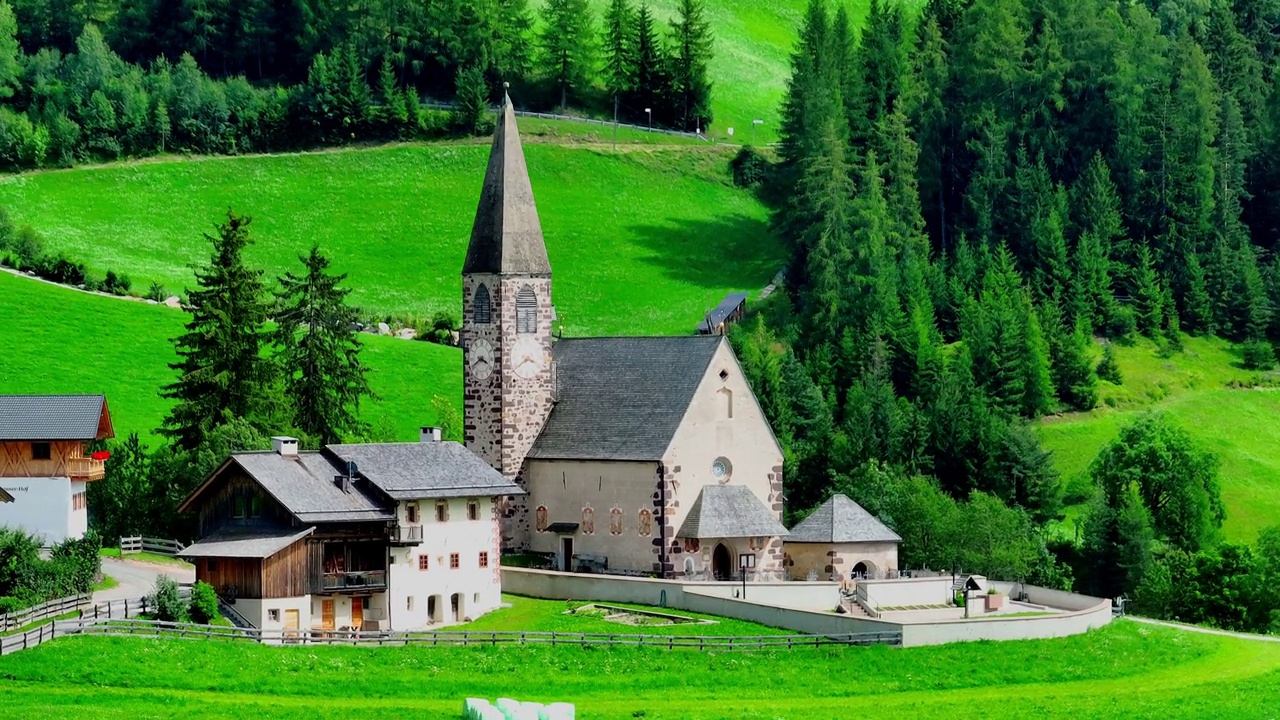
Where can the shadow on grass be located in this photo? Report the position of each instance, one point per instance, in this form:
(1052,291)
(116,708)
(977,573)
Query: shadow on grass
(721,253)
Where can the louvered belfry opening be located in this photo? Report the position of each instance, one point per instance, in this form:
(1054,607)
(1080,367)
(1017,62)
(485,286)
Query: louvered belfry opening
(526,311)
(483,313)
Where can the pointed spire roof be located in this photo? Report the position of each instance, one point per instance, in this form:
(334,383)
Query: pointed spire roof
(506,236)
(841,520)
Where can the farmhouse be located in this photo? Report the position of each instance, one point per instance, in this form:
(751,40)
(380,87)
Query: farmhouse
(381,536)
(638,454)
(44,470)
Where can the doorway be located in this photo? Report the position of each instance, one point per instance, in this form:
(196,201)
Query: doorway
(722,563)
(860,571)
(455,604)
(326,614)
(566,554)
(357,612)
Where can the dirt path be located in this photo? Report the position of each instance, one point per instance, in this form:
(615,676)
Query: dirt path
(1205,630)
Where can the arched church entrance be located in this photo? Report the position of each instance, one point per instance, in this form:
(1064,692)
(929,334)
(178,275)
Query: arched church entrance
(864,570)
(722,562)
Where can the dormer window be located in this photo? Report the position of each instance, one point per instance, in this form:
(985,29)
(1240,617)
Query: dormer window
(482,308)
(41,451)
(526,311)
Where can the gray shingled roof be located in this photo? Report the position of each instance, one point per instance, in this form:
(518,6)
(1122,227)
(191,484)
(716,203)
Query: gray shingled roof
(406,471)
(5,497)
(51,417)
(304,485)
(245,542)
(622,398)
(841,520)
(729,511)
(506,236)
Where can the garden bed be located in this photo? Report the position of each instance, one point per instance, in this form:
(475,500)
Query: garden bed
(634,616)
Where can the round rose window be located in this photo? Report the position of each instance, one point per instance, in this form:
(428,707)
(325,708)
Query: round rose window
(720,470)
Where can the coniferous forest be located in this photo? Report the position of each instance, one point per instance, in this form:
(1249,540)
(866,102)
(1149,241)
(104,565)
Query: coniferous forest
(89,80)
(979,201)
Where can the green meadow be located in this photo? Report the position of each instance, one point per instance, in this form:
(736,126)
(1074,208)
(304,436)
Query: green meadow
(1240,426)
(57,340)
(1123,670)
(641,241)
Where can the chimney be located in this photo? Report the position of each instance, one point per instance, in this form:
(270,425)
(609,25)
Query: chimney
(429,434)
(284,446)
(343,482)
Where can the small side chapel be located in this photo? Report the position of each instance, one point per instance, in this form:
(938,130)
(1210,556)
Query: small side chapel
(640,455)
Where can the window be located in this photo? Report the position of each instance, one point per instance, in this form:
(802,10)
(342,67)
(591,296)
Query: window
(239,507)
(423,562)
(273,615)
(442,511)
(78,501)
(408,603)
(726,403)
(255,506)
(476,598)
(484,559)
(40,451)
(721,469)
(473,510)
(453,561)
(211,566)
(526,311)
(482,312)
(411,513)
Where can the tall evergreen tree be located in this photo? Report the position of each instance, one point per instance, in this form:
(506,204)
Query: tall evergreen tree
(319,352)
(620,47)
(568,45)
(690,82)
(222,374)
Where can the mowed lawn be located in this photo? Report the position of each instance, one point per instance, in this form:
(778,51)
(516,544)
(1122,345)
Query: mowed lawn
(642,241)
(1240,426)
(1123,670)
(56,340)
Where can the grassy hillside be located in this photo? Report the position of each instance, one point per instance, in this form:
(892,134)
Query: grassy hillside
(641,241)
(1124,670)
(1241,426)
(55,340)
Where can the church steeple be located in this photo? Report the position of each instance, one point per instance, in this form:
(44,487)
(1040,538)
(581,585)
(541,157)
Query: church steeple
(506,237)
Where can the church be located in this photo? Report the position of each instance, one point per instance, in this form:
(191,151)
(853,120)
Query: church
(637,455)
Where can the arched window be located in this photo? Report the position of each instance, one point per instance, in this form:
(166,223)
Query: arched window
(526,311)
(482,309)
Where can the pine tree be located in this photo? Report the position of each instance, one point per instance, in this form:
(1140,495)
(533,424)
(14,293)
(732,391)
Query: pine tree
(619,47)
(394,114)
(319,352)
(690,83)
(222,374)
(1147,295)
(568,45)
(652,79)
(1037,383)
(827,189)
(880,69)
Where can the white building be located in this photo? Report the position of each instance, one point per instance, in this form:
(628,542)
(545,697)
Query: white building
(44,468)
(390,536)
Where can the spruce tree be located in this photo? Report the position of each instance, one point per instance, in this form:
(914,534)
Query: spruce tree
(1147,296)
(651,86)
(319,352)
(568,45)
(619,47)
(691,53)
(1037,383)
(222,374)
(827,188)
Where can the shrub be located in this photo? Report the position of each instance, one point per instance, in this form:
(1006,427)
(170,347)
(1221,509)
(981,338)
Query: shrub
(116,284)
(164,601)
(27,246)
(79,562)
(156,292)
(749,167)
(1258,355)
(6,229)
(204,603)
(11,604)
(1122,323)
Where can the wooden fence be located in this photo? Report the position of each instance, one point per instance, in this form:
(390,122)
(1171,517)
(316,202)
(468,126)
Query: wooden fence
(159,546)
(100,612)
(44,611)
(90,625)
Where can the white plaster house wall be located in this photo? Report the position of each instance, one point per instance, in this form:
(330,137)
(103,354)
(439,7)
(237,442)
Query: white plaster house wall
(479,589)
(42,506)
(258,611)
(828,561)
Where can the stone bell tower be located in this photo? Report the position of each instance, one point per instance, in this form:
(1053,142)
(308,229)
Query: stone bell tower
(506,321)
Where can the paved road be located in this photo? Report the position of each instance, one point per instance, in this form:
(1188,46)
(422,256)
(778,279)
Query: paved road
(1205,630)
(138,578)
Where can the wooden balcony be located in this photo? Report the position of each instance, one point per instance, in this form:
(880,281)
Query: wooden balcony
(355,580)
(86,469)
(406,535)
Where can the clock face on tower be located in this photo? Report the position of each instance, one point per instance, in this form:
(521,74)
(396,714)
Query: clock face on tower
(526,357)
(480,359)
